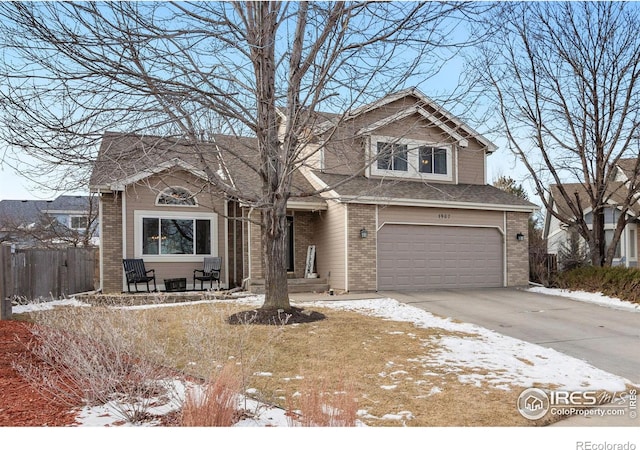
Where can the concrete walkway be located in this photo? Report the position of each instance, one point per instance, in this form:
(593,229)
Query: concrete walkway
(607,338)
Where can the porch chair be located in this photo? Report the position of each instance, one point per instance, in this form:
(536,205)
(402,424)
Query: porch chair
(210,272)
(136,273)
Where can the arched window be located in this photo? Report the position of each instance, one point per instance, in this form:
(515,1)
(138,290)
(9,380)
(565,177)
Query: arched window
(176,196)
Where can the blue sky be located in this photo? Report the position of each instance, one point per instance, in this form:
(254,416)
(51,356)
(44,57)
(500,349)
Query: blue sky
(16,185)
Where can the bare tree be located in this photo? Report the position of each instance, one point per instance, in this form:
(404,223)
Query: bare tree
(36,226)
(565,78)
(261,69)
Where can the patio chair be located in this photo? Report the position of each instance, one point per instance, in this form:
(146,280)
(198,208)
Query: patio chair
(210,272)
(136,273)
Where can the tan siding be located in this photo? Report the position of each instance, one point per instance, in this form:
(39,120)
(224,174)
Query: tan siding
(330,247)
(345,153)
(255,247)
(440,216)
(471,163)
(142,197)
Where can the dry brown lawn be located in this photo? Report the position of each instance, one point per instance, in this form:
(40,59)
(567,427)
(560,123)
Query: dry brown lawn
(386,365)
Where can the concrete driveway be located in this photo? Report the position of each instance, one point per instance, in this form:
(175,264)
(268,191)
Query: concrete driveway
(607,338)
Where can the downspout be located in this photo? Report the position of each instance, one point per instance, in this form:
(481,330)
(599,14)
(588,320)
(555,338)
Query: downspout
(226,243)
(504,250)
(101,219)
(124,229)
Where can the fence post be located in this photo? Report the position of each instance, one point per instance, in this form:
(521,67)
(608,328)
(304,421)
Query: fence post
(6,309)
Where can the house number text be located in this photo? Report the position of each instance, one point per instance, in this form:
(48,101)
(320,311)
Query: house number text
(444,216)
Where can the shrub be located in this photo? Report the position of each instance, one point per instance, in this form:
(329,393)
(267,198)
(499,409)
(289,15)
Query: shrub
(619,282)
(89,356)
(317,405)
(216,403)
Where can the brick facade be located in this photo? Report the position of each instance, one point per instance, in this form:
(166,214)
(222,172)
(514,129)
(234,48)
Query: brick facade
(361,251)
(304,236)
(517,251)
(111,243)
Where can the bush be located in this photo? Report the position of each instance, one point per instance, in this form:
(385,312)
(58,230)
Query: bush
(216,403)
(619,282)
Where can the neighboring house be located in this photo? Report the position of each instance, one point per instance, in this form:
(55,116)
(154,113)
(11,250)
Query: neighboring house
(558,234)
(421,216)
(67,220)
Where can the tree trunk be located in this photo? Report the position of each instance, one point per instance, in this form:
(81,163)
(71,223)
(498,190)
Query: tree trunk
(274,232)
(599,245)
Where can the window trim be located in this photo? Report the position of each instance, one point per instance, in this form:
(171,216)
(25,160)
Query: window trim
(177,205)
(413,159)
(78,216)
(138,217)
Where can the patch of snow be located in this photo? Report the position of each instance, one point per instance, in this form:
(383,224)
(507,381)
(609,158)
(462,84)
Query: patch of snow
(47,305)
(588,297)
(502,356)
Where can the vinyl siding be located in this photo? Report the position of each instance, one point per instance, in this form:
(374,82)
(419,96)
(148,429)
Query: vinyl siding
(330,244)
(471,164)
(440,216)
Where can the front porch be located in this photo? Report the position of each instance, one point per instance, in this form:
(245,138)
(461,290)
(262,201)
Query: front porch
(296,285)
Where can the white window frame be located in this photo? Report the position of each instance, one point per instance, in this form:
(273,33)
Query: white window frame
(632,244)
(138,217)
(71,217)
(413,155)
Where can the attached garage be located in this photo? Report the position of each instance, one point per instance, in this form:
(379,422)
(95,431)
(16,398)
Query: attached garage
(426,257)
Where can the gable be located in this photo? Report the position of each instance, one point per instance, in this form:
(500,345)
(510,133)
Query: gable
(397,107)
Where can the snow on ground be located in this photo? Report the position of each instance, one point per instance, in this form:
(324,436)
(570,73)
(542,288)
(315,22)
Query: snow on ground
(503,361)
(589,297)
(508,360)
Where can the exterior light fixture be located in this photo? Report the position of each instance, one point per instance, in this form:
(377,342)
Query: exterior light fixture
(520,237)
(364,233)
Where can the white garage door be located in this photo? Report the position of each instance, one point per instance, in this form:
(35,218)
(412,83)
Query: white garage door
(422,257)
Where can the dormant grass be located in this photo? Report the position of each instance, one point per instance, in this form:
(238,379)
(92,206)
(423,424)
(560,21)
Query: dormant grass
(317,370)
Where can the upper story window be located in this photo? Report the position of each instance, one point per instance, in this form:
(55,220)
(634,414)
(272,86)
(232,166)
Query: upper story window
(176,196)
(392,156)
(79,222)
(408,158)
(433,160)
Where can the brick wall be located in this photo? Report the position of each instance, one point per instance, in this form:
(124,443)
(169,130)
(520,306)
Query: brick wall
(361,252)
(304,236)
(517,251)
(111,243)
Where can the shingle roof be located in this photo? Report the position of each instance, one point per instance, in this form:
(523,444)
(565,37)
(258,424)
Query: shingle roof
(122,156)
(628,166)
(386,189)
(616,192)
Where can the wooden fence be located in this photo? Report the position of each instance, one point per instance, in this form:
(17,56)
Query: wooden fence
(51,273)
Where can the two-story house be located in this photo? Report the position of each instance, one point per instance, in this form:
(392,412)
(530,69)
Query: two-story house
(66,220)
(405,205)
(558,233)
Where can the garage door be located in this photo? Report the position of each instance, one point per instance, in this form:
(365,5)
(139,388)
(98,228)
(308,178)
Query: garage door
(421,257)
